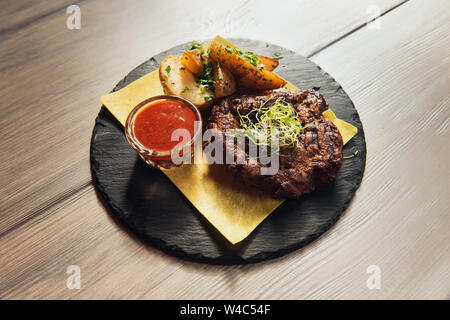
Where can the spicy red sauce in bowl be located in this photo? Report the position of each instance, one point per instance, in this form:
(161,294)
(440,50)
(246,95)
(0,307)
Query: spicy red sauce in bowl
(151,125)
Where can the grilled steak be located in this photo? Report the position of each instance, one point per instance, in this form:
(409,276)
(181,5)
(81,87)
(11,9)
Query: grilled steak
(314,161)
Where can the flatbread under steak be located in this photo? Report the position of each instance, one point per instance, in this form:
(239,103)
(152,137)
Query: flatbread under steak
(313,162)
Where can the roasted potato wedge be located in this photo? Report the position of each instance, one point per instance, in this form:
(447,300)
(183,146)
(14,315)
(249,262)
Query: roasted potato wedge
(224,82)
(261,81)
(269,63)
(178,80)
(249,75)
(192,61)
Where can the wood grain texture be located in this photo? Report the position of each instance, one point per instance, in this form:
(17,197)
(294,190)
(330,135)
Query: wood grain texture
(52,77)
(398,77)
(17,15)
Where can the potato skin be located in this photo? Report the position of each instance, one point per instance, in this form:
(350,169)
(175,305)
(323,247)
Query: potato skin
(192,60)
(224,82)
(182,82)
(229,60)
(269,63)
(264,80)
(248,75)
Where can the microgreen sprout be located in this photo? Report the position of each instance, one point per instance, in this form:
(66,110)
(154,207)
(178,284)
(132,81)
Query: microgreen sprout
(194,45)
(277,119)
(277,55)
(354,154)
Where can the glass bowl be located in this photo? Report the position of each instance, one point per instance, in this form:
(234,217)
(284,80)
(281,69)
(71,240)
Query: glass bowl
(166,158)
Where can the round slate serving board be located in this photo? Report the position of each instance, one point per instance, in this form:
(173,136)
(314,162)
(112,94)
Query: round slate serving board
(147,202)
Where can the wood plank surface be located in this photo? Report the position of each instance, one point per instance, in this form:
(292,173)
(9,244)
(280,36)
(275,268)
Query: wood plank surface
(16,15)
(398,77)
(52,77)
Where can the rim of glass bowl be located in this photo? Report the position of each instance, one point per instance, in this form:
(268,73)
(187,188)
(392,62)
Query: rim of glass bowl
(129,132)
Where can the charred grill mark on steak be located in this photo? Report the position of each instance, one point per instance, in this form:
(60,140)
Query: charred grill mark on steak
(314,162)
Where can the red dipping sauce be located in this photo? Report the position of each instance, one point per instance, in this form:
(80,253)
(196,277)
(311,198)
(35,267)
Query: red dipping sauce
(154,125)
(150,125)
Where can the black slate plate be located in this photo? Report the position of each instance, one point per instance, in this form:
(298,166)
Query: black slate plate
(147,202)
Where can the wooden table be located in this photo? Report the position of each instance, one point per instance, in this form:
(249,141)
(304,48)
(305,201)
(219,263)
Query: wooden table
(396,70)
